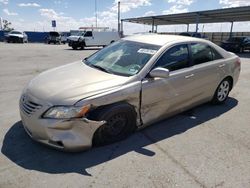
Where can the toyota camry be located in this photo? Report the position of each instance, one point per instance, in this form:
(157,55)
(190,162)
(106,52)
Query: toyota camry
(127,85)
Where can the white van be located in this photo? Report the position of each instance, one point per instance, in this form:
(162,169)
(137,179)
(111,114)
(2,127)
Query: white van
(93,38)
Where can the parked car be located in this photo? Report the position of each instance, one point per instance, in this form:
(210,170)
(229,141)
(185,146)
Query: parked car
(236,44)
(53,37)
(93,38)
(16,37)
(130,84)
(64,37)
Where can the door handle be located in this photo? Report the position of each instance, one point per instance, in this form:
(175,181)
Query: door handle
(189,76)
(221,65)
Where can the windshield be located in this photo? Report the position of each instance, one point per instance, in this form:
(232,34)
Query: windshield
(80,33)
(125,58)
(15,32)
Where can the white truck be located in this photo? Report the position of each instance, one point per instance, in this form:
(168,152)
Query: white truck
(90,38)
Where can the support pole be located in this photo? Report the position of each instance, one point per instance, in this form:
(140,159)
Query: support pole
(231,29)
(197,23)
(153,24)
(119,26)
(156,28)
(187,27)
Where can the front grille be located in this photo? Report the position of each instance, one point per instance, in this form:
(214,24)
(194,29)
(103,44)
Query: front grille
(28,106)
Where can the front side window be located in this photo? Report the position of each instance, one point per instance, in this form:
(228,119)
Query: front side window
(125,58)
(88,34)
(202,53)
(175,58)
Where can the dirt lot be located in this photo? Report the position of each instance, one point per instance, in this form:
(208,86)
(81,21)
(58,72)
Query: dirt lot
(208,146)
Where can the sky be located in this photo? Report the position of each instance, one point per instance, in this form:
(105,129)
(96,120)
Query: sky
(36,15)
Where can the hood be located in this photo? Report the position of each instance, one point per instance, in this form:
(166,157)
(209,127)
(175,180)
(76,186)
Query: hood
(73,38)
(70,83)
(16,35)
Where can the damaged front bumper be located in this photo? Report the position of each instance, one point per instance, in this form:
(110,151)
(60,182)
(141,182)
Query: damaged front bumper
(69,135)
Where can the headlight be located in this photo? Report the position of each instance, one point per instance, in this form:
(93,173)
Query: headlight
(66,112)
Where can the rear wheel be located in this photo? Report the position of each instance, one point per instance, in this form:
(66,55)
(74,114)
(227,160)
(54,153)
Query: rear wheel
(120,123)
(222,91)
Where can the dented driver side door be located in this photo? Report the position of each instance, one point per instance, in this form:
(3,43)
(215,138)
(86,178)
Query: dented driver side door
(163,96)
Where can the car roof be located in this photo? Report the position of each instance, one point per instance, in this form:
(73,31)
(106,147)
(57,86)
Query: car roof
(160,39)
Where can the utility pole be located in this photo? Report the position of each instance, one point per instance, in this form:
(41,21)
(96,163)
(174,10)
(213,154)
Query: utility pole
(119,12)
(95,14)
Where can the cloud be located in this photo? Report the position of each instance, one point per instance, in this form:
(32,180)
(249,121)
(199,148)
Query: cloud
(234,3)
(29,5)
(179,6)
(106,18)
(175,9)
(127,5)
(6,11)
(5,2)
(149,13)
(181,2)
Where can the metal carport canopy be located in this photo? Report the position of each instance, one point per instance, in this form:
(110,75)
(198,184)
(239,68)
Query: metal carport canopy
(210,16)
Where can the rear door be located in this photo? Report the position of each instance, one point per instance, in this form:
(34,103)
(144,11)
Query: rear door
(208,66)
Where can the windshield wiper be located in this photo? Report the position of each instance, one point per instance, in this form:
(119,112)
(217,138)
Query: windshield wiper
(100,68)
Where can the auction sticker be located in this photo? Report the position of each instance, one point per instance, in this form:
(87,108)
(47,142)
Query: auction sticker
(147,51)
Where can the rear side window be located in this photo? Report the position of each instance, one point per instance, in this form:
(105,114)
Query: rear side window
(175,58)
(88,34)
(202,53)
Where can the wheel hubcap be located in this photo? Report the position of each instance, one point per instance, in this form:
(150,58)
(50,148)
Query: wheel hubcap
(116,124)
(223,90)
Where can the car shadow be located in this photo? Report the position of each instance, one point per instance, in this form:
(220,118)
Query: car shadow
(21,150)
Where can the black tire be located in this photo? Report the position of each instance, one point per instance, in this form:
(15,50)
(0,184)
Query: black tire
(74,47)
(48,42)
(121,122)
(82,46)
(221,95)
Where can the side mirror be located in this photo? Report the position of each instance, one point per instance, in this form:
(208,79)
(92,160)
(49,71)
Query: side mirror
(159,73)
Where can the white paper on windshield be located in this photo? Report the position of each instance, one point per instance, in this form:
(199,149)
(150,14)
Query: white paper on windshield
(147,51)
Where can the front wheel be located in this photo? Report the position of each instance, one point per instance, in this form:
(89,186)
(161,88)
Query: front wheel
(82,46)
(222,91)
(120,123)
